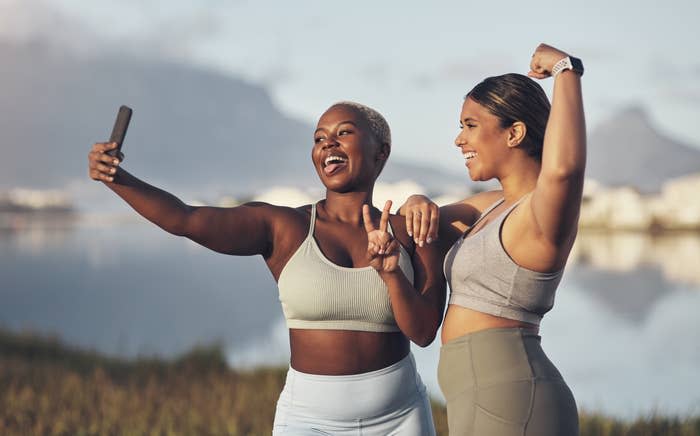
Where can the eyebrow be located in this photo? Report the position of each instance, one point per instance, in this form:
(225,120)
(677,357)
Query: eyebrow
(340,123)
(468,119)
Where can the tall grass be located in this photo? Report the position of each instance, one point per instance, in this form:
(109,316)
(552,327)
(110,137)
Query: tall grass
(49,388)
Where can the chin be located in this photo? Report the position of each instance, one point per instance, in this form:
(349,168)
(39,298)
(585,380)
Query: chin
(478,175)
(473,175)
(340,186)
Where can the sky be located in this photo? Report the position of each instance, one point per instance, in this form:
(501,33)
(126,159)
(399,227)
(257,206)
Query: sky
(413,61)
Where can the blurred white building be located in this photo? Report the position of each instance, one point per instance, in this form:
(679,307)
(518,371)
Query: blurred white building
(624,208)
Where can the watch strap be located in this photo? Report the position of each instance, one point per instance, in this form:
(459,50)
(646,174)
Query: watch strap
(568,63)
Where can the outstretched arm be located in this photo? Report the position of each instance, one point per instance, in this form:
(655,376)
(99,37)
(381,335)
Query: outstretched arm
(417,306)
(243,230)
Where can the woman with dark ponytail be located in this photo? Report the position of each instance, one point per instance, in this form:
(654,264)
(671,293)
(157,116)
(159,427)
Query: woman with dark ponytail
(506,250)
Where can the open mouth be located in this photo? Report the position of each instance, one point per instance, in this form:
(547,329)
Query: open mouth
(468,156)
(334,163)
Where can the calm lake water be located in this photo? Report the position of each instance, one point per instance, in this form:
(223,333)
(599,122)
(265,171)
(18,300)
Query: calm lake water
(625,329)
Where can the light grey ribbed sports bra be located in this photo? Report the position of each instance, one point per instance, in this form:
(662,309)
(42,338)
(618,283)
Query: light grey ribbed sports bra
(317,294)
(483,277)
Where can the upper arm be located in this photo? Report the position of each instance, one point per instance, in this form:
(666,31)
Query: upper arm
(555,207)
(556,200)
(243,230)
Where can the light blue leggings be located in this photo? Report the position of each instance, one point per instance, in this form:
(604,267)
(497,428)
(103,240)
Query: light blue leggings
(389,401)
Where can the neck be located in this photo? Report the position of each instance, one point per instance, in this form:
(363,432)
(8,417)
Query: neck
(520,180)
(346,207)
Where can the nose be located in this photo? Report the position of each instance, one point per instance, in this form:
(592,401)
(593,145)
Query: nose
(331,141)
(460,140)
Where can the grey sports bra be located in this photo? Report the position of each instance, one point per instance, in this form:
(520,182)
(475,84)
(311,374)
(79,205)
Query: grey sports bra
(483,277)
(317,294)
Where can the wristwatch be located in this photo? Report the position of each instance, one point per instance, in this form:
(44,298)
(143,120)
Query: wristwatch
(568,63)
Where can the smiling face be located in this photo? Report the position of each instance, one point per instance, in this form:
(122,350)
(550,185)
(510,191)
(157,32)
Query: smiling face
(346,155)
(484,143)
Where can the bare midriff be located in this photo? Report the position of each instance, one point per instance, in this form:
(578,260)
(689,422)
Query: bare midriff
(344,352)
(460,321)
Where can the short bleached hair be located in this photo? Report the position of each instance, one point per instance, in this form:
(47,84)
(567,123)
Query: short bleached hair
(376,121)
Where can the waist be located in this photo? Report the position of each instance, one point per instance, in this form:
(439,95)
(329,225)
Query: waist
(490,358)
(460,321)
(355,396)
(344,352)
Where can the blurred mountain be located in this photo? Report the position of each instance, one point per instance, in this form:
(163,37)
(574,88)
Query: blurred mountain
(192,129)
(627,150)
(201,131)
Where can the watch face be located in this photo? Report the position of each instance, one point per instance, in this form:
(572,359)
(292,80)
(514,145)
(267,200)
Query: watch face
(576,64)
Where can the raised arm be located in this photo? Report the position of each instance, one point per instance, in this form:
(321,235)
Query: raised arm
(243,230)
(417,307)
(556,200)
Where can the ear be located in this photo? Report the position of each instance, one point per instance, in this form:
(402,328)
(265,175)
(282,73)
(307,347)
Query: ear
(383,152)
(516,133)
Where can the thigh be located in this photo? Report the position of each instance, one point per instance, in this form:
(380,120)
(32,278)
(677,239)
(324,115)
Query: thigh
(554,411)
(417,422)
(501,409)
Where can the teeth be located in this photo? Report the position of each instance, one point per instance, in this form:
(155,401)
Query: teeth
(469,155)
(334,159)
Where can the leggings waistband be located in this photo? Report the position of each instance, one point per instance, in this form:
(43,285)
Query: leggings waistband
(354,396)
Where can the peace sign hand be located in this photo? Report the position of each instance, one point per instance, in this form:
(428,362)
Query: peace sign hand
(382,248)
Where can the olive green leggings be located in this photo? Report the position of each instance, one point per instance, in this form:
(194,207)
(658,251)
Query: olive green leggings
(499,382)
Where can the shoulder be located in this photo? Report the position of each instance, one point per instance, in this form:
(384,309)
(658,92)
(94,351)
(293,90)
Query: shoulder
(279,216)
(458,216)
(483,200)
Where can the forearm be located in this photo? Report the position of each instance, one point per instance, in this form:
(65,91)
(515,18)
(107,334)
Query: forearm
(564,150)
(158,206)
(416,315)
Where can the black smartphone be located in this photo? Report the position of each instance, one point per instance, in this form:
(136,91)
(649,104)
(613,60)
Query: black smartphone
(119,129)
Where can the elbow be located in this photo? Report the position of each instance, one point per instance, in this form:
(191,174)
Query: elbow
(179,231)
(425,340)
(184,225)
(427,335)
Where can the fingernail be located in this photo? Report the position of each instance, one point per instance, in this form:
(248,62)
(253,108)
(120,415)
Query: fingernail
(116,162)
(420,244)
(430,239)
(112,170)
(410,234)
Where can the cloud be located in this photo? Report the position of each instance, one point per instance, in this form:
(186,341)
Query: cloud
(689,95)
(668,69)
(598,55)
(477,68)
(145,28)
(37,21)
(376,72)
(177,33)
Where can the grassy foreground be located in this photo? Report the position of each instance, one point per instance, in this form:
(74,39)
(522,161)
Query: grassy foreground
(48,388)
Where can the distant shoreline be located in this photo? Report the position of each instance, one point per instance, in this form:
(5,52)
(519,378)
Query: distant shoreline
(69,217)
